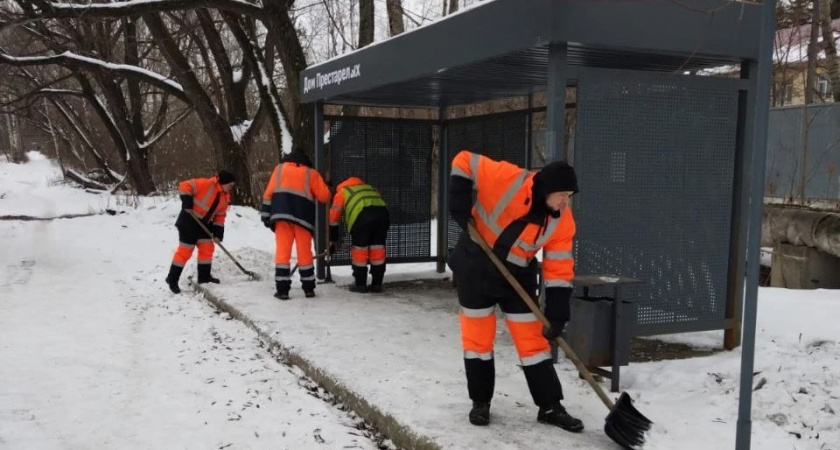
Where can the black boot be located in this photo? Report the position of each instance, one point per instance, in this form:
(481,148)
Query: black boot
(376,288)
(309,294)
(281,295)
(556,415)
(173,277)
(480,413)
(204,274)
(360,279)
(377,273)
(358,288)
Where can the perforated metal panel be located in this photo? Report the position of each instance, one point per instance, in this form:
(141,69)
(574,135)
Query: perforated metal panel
(502,137)
(394,156)
(655,160)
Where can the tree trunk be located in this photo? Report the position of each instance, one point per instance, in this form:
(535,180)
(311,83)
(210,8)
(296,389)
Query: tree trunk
(135,158)
(396,24)
(830,48)
(811,73)
(453,6)
(294,62)
(366,28)
(366,22)
(230,155)
(268,91)
(16,152)
(76,123)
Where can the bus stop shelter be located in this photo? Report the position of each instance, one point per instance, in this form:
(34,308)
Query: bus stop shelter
(662,154)
(670,159)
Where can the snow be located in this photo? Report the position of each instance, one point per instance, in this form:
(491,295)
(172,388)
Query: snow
(766,256)
(96,355)
(238,130)
(121,5)
(117,361)
(36,189)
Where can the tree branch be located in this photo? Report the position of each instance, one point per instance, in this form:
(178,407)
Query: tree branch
(55,10)
(151,141)
(73,61)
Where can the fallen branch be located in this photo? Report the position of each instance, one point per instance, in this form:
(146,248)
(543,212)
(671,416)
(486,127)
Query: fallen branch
(84,181)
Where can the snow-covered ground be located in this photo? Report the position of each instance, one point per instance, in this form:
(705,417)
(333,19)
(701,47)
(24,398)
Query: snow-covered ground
(96,353)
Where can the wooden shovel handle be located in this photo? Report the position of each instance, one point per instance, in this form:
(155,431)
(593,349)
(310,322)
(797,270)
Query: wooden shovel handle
(212,236)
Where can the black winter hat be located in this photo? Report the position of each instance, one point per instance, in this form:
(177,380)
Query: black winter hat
(556,177)
(226,177)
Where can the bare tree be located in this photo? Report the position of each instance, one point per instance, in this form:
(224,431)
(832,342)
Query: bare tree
(229,134)
(830,47)
(79,49)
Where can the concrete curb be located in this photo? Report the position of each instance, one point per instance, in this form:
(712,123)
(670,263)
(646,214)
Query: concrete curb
(401,435)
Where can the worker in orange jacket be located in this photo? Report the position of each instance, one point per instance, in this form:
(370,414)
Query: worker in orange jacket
(208,200)
(367,219)
(289,210)
(517,212)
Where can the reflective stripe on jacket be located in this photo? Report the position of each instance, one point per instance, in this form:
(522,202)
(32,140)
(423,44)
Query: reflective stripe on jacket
(291,194)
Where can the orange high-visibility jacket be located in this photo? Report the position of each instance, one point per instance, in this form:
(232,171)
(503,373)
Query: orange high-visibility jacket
(204,192)
(504,195)
(291,194)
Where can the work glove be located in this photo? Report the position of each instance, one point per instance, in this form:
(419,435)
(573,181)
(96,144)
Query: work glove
(187,202)
(557,310)
(268,224)
(219,232)
(461,219)
(554,329)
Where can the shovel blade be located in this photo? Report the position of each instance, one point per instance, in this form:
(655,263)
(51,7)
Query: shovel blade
(253,276)
(626,425)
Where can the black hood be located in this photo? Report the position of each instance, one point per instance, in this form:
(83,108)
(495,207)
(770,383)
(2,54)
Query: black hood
(298,157)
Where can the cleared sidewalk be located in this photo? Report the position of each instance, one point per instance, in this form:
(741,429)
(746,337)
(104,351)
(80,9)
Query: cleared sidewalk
(395,358)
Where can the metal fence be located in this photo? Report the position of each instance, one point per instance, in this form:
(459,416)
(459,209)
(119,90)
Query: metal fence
(394,155)
(804,137)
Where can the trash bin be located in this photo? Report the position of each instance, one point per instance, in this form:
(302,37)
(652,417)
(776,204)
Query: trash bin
(590,331)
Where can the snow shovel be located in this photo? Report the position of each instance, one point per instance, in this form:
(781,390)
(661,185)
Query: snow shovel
(624,424)
(327,257)
(295,268)
(250,274)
